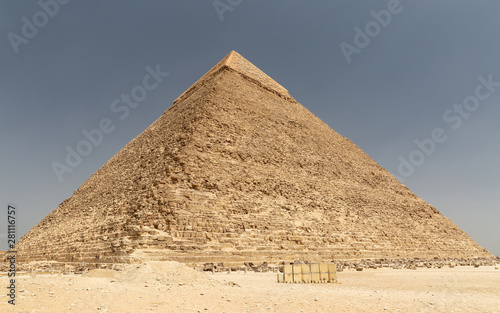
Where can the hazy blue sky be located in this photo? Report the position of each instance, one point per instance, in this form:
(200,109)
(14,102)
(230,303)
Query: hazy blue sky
(406,79)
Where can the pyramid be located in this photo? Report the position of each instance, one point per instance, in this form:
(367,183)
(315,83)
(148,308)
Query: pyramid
(236,170)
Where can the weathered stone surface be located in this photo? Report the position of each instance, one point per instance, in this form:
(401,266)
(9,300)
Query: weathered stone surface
(236,170)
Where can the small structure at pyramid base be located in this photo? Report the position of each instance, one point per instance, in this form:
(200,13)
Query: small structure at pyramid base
(308,273)
(236,170)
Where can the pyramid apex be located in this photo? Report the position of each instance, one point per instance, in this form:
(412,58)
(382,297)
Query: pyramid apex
(234,52)
(231,56)
(234,61)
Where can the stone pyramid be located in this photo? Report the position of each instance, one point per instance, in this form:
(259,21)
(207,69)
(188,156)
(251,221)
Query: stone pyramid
(237,170)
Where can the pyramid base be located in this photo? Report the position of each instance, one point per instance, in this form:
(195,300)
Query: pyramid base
(240,257)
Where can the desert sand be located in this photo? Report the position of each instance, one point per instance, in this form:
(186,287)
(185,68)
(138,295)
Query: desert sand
(174,287)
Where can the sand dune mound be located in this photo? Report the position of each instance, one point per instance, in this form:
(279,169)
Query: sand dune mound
(164,273)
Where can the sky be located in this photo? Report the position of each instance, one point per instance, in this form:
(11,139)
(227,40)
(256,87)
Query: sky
(415,84)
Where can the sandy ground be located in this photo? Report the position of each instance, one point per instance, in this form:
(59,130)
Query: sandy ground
(172,287)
